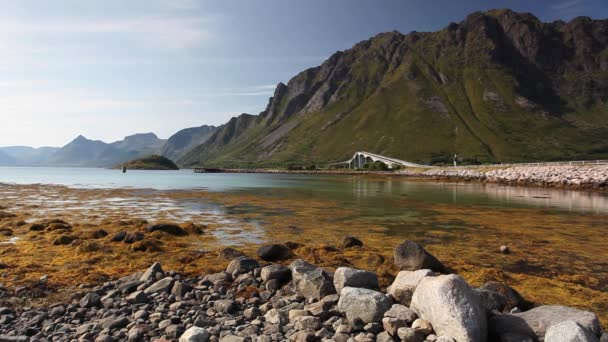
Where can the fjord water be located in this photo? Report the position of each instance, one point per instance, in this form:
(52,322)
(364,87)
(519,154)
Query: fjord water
(369,193)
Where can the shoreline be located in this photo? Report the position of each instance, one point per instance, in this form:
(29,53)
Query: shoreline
(93,259)
(277,296)
(587,177)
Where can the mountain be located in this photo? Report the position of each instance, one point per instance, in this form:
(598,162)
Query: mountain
(27,156)
(499,86)
(144,143)
(6,159)
(183,141)
(82,152)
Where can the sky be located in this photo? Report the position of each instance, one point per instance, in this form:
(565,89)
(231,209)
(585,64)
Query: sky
(110,68)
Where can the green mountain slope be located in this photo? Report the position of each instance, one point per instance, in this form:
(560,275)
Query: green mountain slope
(498,87)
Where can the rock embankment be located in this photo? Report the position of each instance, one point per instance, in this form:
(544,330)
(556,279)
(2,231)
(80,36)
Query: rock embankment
(577,177)
(250,301)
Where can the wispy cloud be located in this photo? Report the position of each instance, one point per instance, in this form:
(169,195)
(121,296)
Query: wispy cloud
(167,32)
(566,5)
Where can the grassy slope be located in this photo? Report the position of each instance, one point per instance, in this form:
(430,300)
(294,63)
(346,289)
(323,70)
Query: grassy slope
(153,162)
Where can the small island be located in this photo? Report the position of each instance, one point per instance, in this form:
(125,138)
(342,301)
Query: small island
(153,162)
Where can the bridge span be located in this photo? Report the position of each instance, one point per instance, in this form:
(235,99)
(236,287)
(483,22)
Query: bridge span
(360,158)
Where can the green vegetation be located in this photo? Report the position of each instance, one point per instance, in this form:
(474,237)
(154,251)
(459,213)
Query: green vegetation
(153,162)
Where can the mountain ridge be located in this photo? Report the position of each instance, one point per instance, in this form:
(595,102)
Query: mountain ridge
(499,86)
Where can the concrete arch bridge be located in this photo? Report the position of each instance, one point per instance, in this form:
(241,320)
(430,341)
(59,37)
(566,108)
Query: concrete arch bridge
(360,158)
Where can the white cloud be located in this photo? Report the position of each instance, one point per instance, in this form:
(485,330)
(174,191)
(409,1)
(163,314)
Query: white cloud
(166,32)
(566,5)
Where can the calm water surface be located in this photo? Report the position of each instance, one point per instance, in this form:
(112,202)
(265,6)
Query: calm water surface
(371,193)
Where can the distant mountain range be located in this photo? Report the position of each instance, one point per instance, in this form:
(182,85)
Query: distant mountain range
(500,86)
(83,152)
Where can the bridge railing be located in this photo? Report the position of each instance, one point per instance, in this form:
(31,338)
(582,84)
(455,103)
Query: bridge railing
(560,163)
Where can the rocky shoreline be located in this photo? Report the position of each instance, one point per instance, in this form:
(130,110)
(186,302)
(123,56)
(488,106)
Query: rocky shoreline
(568,177)
(263,300)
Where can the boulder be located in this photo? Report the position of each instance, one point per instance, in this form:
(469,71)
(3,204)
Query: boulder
(119,236)
(230,254)
(311,281)
(138,297)
(90,300)
(278,272)
(224,306)
(133,237)
(362,306)
(452,307)
(63,240)
(351,241)
(411,256)
(98,234)
(398,316)
(195,334)
(535,322)
(161,286)
(569,331)
(410,335)
(405,284)
(154,272)
(168,228)
(511,297)
(352,277)
(242,265)
(274,252)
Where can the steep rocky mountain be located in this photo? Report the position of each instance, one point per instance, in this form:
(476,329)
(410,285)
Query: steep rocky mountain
(27,156)
(82,152)
(183,141)
(499,86)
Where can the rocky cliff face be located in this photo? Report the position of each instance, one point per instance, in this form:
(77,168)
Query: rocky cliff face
(183,141)
(499,86)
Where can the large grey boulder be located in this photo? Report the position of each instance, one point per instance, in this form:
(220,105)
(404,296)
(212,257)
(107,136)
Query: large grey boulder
(311,281)
(161,286)
(452,307)
(241,265)
(362,306)
(278,272)
(352,277)
(405,284)
(535,322)
(154,272)
(195,334)
(569,331)
(410,256)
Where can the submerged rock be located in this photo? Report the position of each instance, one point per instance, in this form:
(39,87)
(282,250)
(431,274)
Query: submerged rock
(351,241)
(168,228)
(410,256)
(274,252)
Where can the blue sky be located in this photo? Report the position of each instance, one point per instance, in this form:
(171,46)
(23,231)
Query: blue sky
(110,68)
